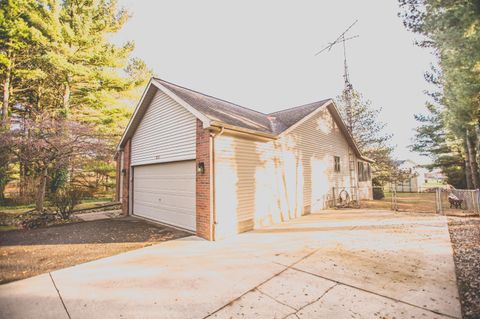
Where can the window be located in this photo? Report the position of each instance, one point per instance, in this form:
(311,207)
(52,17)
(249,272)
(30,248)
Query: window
(336,160)
(364,173)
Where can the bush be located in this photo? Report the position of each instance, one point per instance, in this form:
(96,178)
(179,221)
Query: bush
(65,199)
(378,193)
(37,221)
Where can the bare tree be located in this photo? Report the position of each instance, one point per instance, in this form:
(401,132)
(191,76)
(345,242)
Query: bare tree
(45,142)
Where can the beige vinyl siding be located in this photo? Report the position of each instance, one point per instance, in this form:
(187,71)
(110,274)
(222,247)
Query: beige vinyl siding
(319,140)
(245,183)
(166,133)
(259,183)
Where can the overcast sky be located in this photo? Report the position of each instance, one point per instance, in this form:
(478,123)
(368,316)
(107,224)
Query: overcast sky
(260,54)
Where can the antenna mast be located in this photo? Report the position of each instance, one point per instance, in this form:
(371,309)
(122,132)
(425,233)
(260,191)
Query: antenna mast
(348,88)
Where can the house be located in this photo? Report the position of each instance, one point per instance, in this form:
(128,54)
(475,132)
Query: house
(216,168)
(417,178)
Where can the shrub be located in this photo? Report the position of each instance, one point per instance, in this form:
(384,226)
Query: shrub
(65,199)
(37,220)
(378,193)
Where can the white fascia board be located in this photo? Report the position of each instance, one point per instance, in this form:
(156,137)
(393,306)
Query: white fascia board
(122,140)
(306,118)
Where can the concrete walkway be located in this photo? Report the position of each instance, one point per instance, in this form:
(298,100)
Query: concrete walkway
(338,264)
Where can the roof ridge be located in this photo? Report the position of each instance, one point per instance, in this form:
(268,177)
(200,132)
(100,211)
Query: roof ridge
(299,106)
(210,96)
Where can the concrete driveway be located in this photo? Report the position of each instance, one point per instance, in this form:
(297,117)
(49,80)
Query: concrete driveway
(338,264)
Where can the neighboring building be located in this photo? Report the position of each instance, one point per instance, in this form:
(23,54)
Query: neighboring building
(217,169)
(417,178)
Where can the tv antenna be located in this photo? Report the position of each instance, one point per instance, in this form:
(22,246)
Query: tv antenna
(347,92)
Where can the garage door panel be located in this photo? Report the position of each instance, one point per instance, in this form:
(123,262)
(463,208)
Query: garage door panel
(158,185)
(172,201)
(166,193)
(165,215)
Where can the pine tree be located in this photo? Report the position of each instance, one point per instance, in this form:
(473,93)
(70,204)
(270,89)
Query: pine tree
(432,140)
(56,59)
(369,133)
(452,30)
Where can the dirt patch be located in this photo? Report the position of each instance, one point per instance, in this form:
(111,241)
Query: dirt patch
(26,253)
(465,236)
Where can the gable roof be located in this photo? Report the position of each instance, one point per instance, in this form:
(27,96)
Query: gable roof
(217,112)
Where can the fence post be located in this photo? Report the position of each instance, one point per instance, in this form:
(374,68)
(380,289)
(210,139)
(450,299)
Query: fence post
(438,201)
(394,200)
(334,199)
(477,201)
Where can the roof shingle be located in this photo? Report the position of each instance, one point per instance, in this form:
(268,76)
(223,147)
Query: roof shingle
(233,114)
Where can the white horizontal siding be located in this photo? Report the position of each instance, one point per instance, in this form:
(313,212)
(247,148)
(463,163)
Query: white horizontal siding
(166,133)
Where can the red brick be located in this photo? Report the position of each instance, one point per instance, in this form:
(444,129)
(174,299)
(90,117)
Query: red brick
(203,183)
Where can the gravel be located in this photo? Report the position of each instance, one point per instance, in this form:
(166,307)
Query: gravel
(465,237)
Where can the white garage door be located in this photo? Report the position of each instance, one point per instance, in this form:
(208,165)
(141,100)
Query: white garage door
(166,193)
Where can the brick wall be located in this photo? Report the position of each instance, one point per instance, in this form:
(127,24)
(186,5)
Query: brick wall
(126,177)
(203,183)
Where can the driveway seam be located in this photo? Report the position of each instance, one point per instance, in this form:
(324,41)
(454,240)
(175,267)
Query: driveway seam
(266,280)
(273,298)
(59,296)
(375,293)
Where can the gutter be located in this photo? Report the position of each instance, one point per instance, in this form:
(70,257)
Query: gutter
(213,208)
(243,130)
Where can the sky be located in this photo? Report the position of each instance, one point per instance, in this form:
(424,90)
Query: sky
(261,54)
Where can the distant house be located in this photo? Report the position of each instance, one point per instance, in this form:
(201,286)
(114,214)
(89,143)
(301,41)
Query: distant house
(417,178)
(216,168)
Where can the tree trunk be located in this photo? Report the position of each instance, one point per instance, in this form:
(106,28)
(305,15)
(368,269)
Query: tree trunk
(41,189)
(66,95)
(477,135)
(472,157)
(6,97)
(468,171)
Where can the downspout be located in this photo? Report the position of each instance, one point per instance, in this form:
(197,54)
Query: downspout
(213,209)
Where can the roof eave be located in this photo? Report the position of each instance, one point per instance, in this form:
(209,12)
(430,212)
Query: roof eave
(346,131)
(127,131)
(143,103)
(243,130)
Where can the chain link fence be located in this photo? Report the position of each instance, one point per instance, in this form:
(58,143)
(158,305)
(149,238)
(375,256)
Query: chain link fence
(435,200)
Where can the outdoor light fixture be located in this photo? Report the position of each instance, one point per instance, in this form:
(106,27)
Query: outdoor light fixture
(124,171)
(201,167)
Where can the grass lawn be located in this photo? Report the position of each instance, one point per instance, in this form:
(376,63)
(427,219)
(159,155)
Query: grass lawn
(9,213)
(26,253)
(415,202)
(87,203)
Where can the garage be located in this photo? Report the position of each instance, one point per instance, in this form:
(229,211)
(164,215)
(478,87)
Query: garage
(166,193)
(215,168)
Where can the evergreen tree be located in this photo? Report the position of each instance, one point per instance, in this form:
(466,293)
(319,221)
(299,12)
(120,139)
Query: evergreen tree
(369,133)
(452,30)
(56,59)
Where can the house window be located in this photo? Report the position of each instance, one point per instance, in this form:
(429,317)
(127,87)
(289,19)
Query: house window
(336,160)
(364,173)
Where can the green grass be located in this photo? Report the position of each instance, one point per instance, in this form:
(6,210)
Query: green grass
(7,228)
(87,203)
(20,209)
(416,202)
